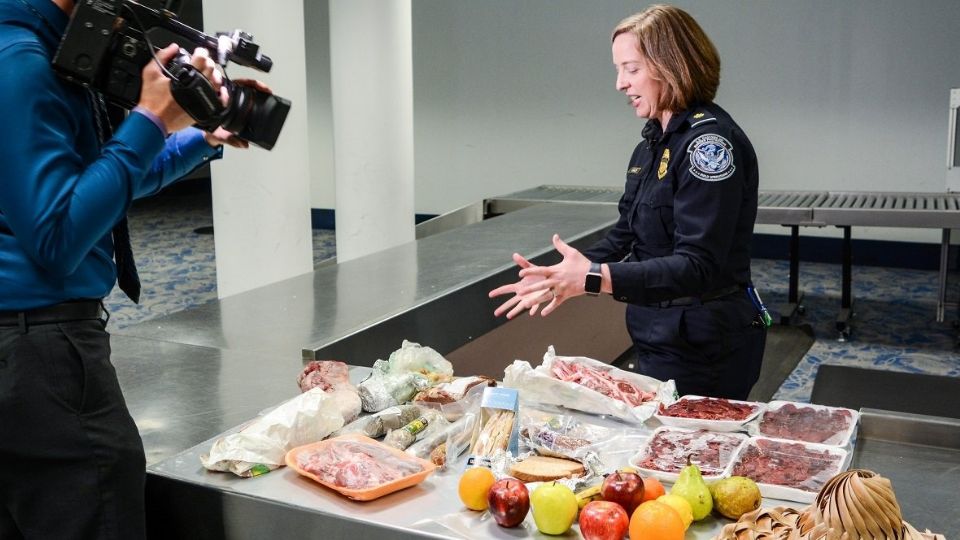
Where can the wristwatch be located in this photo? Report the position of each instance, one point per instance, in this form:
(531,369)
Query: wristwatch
(593,281)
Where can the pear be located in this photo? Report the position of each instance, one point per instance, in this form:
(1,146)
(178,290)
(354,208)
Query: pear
(690,486)
(735,496)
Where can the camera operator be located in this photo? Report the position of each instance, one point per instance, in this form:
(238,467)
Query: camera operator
(71,459)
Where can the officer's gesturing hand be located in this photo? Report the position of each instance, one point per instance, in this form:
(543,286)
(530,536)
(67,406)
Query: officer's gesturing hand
(540,284)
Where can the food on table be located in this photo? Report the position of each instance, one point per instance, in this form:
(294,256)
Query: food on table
(474,486)
(381,390)
(694,490)
(403,437)
(805,423)
(332,377)
(603,520)
(438,456)
(545,468)
(652,489)
(854,504)
(735,496)
(623,488)
(326,374)
(495,434)
(508,501)
(377,425)
(453,391)
(669,450)
(709,409)
(554,508)
(656,521)
(678,503)
(789,464)
(356,465)
(588,494)
(601,381)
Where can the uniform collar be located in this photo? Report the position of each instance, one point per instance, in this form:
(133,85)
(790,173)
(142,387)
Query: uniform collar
(653,132)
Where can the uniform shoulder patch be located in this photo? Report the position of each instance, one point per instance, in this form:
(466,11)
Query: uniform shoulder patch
(711,158)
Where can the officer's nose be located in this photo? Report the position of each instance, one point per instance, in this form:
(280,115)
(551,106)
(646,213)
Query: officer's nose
(621,83)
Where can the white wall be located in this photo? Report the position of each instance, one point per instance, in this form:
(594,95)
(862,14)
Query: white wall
(848,95)
(261,210)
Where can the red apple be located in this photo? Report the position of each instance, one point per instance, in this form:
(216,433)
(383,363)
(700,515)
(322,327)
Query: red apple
(509,501)
(603,520)
(623,488)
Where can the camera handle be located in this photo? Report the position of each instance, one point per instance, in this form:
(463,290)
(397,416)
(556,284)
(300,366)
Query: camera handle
(194,93)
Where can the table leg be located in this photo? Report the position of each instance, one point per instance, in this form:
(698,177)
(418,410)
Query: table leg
(846,300)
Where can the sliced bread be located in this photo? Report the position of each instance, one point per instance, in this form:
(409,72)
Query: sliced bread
(544,468)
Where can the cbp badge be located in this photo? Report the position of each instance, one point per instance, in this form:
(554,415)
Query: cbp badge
(711,158)
(664,162)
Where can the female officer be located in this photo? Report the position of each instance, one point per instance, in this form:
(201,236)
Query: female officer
(680,253)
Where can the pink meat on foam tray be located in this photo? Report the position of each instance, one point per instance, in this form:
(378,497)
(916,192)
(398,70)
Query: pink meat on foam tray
(601,381)
(356,465)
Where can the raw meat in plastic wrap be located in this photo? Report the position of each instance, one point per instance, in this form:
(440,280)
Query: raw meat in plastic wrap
(708,408)
(809,423)
(669,449)
(356,465)
(261,445)
(332,377)
(788,464)
(589,385)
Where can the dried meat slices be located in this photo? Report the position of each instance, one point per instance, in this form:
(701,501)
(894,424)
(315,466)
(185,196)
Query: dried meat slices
(800,422)
(706,408)
(669,449)
(797,465)
(356,465)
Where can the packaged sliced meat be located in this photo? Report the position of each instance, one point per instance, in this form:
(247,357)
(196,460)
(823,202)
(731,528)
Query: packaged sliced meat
(789,470)
(714,414)
(358,467)
(382,390)
(807,422)
(589,385)
(670,449)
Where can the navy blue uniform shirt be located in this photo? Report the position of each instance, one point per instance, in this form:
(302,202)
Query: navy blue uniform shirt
(687,211)
(60,192)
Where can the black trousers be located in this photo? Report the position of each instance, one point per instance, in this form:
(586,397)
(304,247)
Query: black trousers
(711,349)
(71,458)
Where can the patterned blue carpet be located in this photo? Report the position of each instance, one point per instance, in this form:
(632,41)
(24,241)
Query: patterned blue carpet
(895,325)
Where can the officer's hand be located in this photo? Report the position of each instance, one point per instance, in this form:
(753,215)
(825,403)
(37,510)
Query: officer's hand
(519,302)
(563,280)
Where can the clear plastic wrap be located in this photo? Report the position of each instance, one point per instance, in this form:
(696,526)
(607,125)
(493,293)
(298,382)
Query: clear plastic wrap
(669,449)
(713,414)
(819,424)
(377,425)
(383,389)
(563,435)
(414,358)
(590,386)
(789,470)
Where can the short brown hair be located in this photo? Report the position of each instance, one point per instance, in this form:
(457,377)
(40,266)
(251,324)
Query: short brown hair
(681,54)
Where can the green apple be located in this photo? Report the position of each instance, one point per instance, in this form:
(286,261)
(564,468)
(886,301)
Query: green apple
(554,508)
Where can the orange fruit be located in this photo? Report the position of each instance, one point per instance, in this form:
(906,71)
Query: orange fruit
(681,506)
(474,486)
(654,520)
(652,489)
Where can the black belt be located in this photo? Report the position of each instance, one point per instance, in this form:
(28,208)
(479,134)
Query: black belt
(696,300)
(80,310)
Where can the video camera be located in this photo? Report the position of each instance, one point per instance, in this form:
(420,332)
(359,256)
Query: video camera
(108,43)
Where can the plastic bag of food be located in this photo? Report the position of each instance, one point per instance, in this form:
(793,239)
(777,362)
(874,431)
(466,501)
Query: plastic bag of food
(261,445)
(414,358)
(429,423)
(589,385)
(382,389)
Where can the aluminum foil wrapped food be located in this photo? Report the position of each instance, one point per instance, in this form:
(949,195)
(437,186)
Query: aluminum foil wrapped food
(853,505)
(382,390)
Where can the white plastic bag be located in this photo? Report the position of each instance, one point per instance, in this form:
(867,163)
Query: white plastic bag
(539,384)
(262,445)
